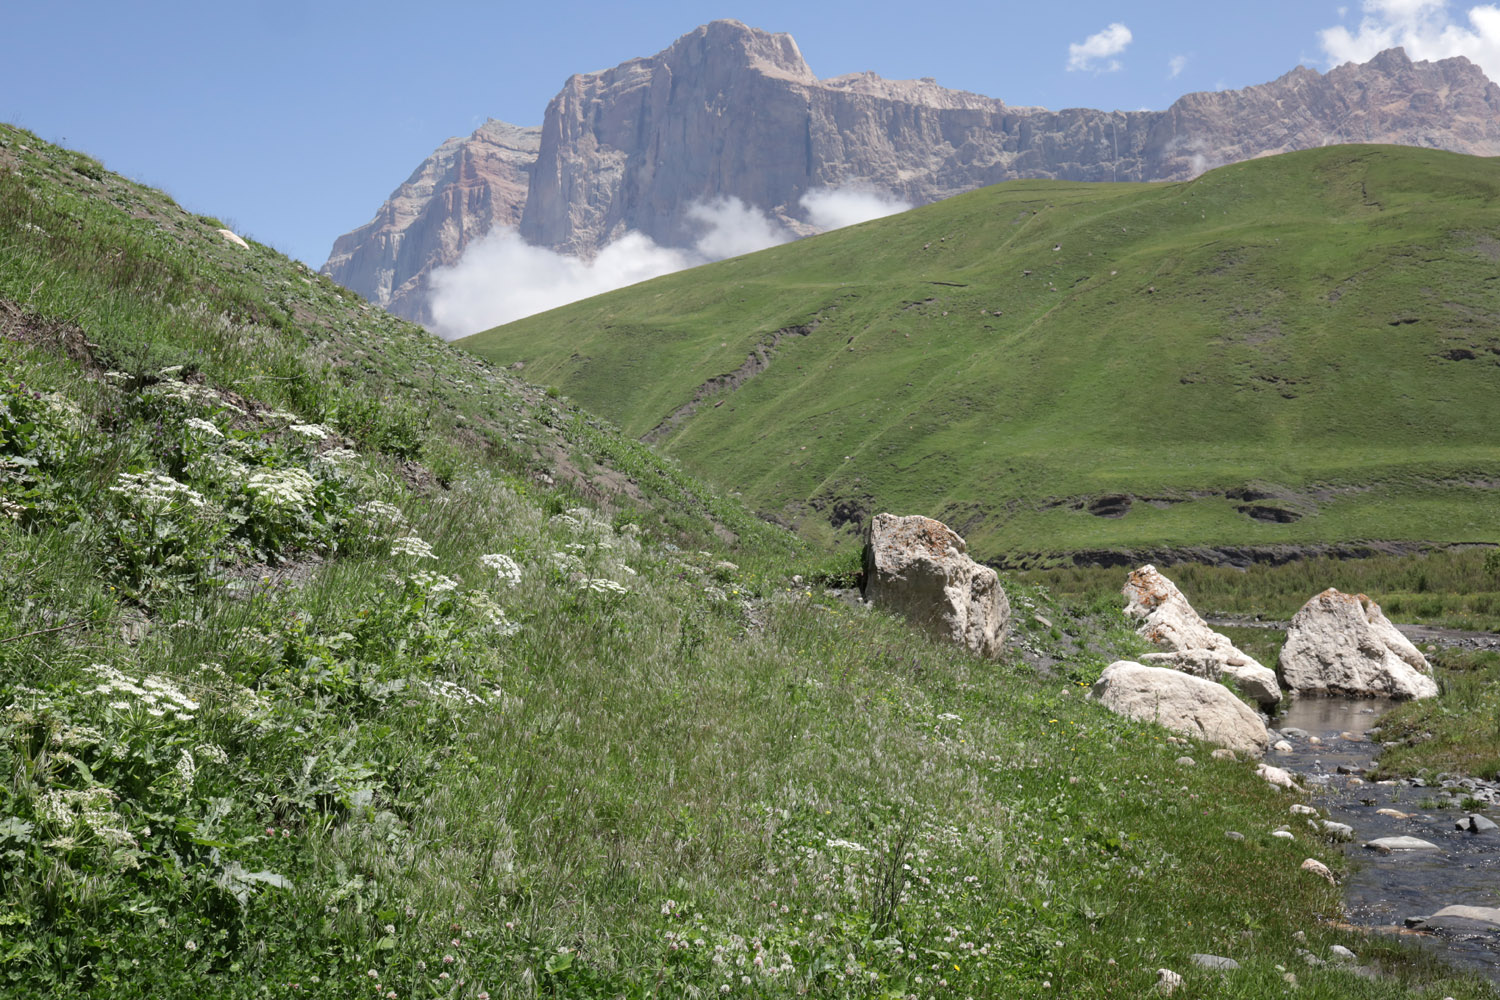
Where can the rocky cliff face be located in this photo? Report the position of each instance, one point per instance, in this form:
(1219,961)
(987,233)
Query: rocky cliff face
(728,110)
(458,193)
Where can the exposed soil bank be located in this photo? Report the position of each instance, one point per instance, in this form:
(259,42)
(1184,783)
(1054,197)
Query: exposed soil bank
(1234,556)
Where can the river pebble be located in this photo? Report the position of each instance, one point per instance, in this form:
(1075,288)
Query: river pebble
(1384,844)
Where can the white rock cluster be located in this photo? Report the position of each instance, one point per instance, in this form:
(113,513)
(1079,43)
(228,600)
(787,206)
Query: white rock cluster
(1169,621)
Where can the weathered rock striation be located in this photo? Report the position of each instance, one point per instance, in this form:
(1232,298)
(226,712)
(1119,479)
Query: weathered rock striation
(919,568)
(1181,702)
(1342,644)
(1169,621)
(732,111)
(465,188)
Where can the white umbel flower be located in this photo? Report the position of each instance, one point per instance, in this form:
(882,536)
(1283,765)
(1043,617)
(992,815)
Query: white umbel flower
(411,545)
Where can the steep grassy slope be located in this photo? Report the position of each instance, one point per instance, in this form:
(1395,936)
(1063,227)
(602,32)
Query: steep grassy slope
(336,663)
(1296,349)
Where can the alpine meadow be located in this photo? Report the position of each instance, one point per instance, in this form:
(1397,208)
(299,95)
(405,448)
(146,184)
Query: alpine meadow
(1297,351)
(337,661)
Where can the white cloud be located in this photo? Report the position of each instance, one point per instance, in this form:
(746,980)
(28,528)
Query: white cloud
(835,208)
(501,277)
(1427,29)
(1097,51)
(731,228)
(1175,66)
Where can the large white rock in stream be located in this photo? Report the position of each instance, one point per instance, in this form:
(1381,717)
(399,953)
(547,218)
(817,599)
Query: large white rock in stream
(920,568)
(1169,621)
(1342,644)
(1186,704)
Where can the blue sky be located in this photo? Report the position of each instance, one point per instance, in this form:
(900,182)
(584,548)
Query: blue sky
(294,121)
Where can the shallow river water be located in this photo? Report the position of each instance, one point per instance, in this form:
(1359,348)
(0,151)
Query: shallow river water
(1383,890)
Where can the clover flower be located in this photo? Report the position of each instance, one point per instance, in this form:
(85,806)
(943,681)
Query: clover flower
(411,545)
(504,566)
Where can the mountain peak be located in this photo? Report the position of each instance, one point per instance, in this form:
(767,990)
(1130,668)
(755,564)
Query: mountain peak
(731,41)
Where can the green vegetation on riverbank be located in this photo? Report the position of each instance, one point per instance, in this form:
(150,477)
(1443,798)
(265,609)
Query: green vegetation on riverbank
(1454,588)
(1457,733)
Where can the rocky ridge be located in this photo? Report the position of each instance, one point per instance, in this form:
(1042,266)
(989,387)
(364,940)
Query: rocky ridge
(732,111)
(465,188)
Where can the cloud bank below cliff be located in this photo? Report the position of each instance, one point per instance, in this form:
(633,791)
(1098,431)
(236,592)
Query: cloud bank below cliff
(501,278)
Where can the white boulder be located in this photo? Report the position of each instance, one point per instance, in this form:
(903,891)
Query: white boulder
(919,568)
(1342,644)
(1169,621)
(1466,918)
(1181,702)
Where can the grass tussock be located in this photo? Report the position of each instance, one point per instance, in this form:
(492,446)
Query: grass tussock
(335,663)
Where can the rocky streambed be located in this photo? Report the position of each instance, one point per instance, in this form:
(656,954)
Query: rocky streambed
(1441,883)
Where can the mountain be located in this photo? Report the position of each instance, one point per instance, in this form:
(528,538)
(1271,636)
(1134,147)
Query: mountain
(1292,350)
(457,194)
(729,110)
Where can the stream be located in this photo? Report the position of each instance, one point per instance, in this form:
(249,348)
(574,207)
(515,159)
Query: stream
(1387,891)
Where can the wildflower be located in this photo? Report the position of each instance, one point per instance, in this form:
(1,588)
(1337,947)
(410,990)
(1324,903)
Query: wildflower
(504,566)
(390,928)
(284,487)
(443,975)
(191,945)
(373,974)
(154,492)
(338,456)
(411,545)
(187,769)
(603,586)
(379,510)
(848,844)
(315,431)
(203,427)
(435,583)
(447,959)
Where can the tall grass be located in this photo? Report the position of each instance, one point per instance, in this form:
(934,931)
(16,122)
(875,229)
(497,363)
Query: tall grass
(310,741)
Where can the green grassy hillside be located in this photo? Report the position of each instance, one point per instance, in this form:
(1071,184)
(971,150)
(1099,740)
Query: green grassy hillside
(1297,349)
(337,663)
